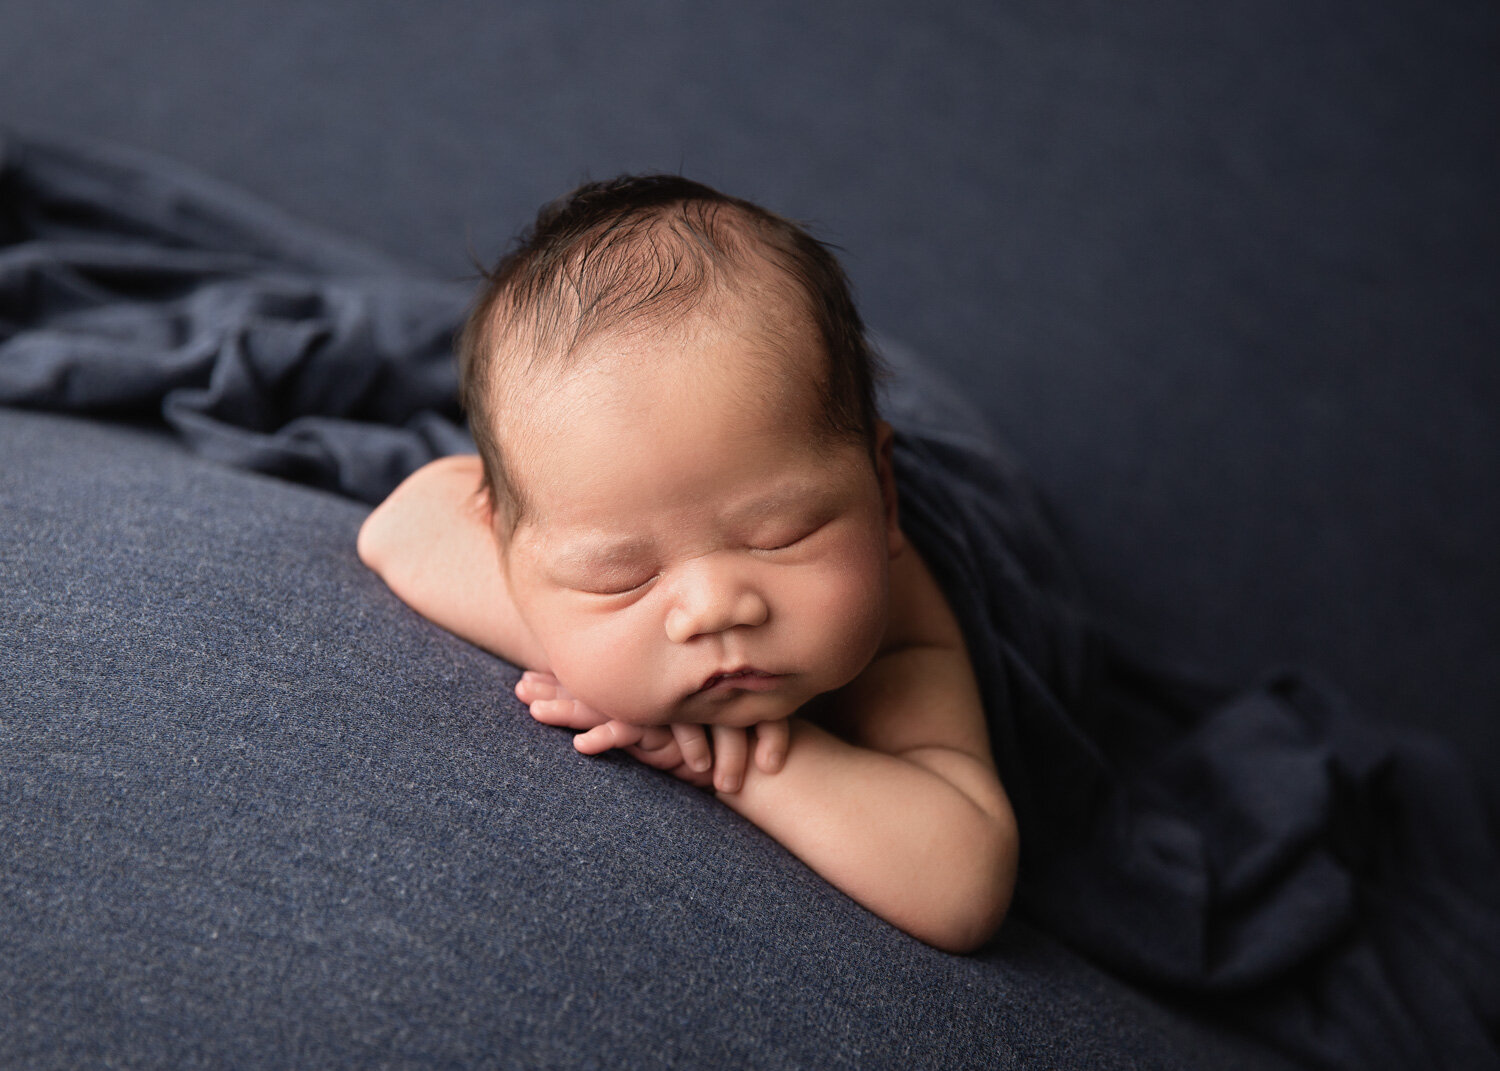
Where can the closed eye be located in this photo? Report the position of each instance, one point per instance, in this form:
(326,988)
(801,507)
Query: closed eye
(786,544)
(617,589)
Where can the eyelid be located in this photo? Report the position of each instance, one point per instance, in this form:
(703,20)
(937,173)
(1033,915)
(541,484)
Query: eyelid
(618,591)
(813,530)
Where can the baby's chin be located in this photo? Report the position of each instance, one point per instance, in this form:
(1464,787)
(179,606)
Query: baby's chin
(737,712)
(744,709)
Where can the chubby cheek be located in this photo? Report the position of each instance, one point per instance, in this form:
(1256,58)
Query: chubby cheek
(843,611)
(604,664)
(600,658)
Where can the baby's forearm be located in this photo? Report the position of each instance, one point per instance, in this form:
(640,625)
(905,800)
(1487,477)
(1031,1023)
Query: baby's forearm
(894,834)
(430,541)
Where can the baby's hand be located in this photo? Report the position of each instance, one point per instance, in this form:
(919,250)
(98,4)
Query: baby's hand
(656,745)
(681,750)
(731,749)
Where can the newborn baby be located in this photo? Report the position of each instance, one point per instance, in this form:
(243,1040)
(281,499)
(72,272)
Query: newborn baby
(682,522)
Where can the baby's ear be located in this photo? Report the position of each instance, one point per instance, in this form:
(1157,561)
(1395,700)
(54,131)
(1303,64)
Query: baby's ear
(483,504)
(885,471)
(484,507)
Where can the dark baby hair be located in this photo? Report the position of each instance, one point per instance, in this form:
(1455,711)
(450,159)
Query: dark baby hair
(642,249)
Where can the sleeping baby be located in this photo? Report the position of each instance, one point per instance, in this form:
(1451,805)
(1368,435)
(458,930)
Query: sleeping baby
(682,521)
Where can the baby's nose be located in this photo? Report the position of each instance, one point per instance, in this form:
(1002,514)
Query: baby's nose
(711,606)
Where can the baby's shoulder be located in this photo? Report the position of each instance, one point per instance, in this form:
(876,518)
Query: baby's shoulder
(919,691)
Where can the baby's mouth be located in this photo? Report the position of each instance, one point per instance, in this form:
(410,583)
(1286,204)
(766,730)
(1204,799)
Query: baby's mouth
(747,678)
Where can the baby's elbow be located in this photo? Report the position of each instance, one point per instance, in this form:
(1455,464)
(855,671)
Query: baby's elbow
(379,547)
(379,538)
(975,915)
(370,544)
(976,928)
(971,930)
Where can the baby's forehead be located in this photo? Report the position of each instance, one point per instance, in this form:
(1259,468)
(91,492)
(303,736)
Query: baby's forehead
(663,393)
(773,336)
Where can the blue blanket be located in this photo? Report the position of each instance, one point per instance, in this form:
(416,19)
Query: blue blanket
(1263,855)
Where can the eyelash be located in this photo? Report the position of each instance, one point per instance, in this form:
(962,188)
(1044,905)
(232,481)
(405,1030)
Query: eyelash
(790,542)
(764,550)
(624,591)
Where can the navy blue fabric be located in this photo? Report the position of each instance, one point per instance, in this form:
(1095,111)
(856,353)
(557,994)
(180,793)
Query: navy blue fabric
(1268,851)
(1327,881)
(255,813)
(131,291)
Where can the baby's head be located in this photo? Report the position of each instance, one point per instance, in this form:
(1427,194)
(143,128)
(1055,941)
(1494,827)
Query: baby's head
(674,402)
(642,254)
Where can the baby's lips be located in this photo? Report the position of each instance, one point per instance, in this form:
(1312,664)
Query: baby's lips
(748,678)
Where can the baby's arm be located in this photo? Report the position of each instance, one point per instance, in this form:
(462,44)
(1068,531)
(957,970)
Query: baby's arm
(896,801)
(432,543)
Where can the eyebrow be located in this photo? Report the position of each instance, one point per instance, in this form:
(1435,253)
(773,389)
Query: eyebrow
(589,552)
(785,497)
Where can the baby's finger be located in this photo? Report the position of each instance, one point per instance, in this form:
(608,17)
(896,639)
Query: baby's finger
(730,752)
(771,738)
(533,686)
(564,713)
(693,742)
(657,748)
(611,734)
(658,738)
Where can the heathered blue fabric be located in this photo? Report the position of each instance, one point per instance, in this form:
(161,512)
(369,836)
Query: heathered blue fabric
(254,812)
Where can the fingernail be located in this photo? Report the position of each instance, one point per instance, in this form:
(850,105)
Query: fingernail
(731,784)
(702,763)
(775,759)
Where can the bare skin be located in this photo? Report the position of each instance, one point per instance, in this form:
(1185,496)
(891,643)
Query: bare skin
(790,649)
